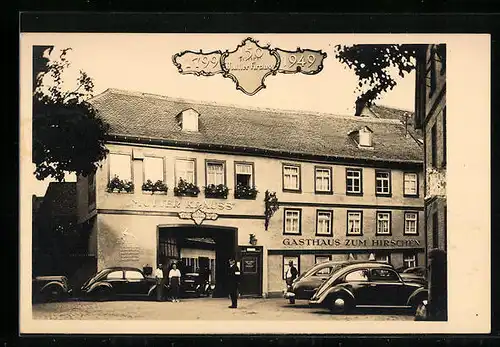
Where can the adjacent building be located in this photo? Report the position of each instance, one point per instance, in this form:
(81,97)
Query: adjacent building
(430,118)
(200,182)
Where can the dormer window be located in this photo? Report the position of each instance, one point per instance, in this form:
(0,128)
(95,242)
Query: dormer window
(363,137)
(188,120)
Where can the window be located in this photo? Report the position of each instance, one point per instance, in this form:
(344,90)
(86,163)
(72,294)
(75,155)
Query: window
(120,165)
(411,223)
(291,177)
(153,169)
(115,275)
(353,181)
(382,182)
(409,260)
(215,173)
(354,219)
(292,222)
(435,230)
(384,275)
(410,184)
(320,259)
(185,169)
(244,174)
(357,276)
(444,137)
(133,275)
(168,248)
(323,180)
(324,223)
(434,146)
(383,223)
(286,261)
(384,257)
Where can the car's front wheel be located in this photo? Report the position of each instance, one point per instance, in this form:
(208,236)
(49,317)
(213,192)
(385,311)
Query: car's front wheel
(102,294)
(52,293)
(340,304)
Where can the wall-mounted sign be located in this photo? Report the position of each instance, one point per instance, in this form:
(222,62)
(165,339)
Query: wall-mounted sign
(250,63)
(351,242)
(198,216)
(159,202)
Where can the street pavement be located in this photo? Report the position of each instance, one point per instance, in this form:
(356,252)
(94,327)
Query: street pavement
(204,309)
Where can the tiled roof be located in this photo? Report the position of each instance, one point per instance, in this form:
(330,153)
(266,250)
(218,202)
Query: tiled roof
(60,199)
(394,113)
(295,132)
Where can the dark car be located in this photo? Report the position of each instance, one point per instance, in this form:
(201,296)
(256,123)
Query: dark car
(304,286)
(368,285)
(195,284)
(50,288)
(120,282)
(414,274)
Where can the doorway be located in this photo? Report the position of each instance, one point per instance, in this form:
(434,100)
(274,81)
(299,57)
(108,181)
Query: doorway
(218,243)
(251,271)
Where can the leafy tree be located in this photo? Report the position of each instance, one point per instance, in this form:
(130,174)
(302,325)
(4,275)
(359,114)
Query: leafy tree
(68,134)
(373,63)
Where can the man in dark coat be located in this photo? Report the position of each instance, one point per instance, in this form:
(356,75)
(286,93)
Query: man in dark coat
(233,282)
(291,274)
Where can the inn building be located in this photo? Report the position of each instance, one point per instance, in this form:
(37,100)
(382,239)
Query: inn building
(198,183)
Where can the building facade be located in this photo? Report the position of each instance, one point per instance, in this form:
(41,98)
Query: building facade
(344,187)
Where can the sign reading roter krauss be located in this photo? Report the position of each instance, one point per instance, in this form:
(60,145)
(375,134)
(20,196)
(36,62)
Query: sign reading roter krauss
(250,63)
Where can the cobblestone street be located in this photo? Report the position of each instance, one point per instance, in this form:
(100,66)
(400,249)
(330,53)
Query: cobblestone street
(204,309)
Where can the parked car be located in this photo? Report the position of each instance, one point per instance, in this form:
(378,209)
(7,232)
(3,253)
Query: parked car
(194,284)
(369,284)
(304,286)
(50,288)
(414,274)
(120,282)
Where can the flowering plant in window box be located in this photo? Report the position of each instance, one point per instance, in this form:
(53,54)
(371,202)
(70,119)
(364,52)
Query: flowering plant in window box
(185,188)
(118,185)
(216,191)
(158,186)
(245,192)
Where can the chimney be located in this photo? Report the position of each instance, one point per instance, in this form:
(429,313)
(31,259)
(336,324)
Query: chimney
(188,120)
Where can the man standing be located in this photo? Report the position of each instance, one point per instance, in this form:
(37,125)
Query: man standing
(159,282)
(233,282)
(291,274)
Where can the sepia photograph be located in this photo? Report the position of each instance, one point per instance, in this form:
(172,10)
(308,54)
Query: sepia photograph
(274,183)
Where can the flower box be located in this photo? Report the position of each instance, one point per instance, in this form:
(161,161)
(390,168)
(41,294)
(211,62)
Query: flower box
(245,192)
(116,185)
(158,186)
(185,188)
(219,191)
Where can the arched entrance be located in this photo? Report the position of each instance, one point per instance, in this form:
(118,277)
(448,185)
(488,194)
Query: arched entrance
(172,239)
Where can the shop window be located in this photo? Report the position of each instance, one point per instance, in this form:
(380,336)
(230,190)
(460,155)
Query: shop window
(291,177)
(286,261)
(120,165)
(353,181)
(354,223)
(383,223)
(410,184)
(323,180)
(382,182)
(153,169)
(292,222)
(324,223)
(409,260)
(115,275)
(244,174)
(383,257)
(185,169)
(215,173)
(411,223)
(133,275)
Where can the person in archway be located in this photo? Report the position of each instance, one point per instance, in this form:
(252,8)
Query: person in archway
(174,280)
(233,282)
(159,282)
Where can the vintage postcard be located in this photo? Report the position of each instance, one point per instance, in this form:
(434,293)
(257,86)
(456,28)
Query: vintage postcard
(254,183)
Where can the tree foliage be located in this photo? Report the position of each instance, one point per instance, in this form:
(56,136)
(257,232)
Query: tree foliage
(68,134)
(373,63)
